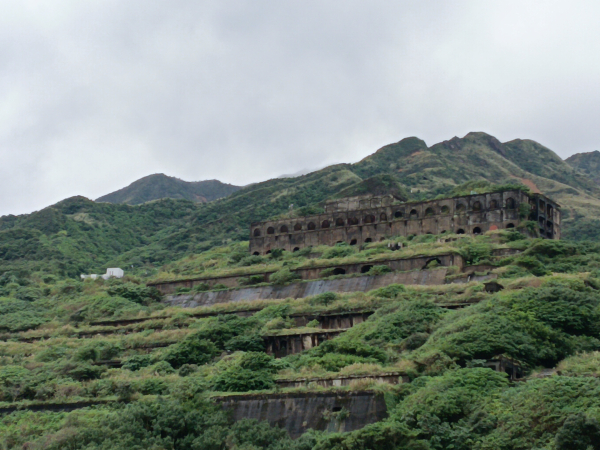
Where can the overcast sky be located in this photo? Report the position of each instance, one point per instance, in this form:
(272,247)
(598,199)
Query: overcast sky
(96,94)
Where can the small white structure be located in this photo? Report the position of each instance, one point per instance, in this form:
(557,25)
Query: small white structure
(112,272)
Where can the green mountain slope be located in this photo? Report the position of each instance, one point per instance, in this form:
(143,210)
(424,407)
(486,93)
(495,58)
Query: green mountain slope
(159,185)
(588,163)
(85,236)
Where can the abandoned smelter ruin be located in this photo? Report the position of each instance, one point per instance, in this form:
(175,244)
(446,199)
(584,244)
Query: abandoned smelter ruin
(358,220)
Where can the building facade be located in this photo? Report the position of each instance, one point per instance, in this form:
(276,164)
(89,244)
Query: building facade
(359,220)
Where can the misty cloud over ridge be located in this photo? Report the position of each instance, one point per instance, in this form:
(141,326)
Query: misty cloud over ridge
(97,94)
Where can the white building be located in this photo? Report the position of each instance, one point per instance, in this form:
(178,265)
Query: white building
(112,272)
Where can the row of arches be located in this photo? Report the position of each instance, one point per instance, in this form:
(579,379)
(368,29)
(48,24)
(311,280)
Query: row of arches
(371,218)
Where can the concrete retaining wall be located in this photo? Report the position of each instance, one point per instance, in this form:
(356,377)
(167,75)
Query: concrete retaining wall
(306,289)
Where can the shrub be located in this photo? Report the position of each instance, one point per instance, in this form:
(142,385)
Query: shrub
(338,251)
(201,287)
(137,362)
(283,276)
(191,350)
(379,270)
(389,291)
(252,371)
(251,260)
(324,299)
(134,292)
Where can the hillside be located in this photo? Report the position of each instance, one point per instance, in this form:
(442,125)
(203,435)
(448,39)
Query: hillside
(159,186)
(81,236)
(588,163)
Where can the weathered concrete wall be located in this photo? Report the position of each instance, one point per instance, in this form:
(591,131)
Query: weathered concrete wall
(280,346)
(388,378)
(306,289)
(313,273)
(311,410)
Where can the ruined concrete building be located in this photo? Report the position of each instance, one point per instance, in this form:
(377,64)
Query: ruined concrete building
(358,220)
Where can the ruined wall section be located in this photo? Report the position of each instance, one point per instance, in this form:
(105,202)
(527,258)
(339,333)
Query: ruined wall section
(361,220)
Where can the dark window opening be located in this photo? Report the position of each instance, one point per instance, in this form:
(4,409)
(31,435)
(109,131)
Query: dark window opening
(284,229)
(270,230)
(477,206)
(429,212)
(433,262)
(369,218)
(414,214)
(460,207)
(352,221)
(443,231)
(256,232)
(460,231)
(383,217)
(339,271)
(365,269)
(368,240)
(353,242)
(549,210)
(256,254)
(268,252)
(476,230)
(311,226)
(398,214)
(510,225)
(298,227)
(336,409)
(296,249)
(510,203)
(325,224)
(445,209)
(339,222)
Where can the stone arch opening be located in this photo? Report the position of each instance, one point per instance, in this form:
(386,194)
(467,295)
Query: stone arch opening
(339,222)
(368,240)
(476,230)
(268,252)
(493,204)
(460,231)
(369,218)
(284,229)
(398,214)
(429,212)
(460,207)
(445,209)
(443,232)
(256,232)
(353,242)
(432,262)
(298,227)
(365,269)
(477,206)
(311,226)
(383,217)
(510,225)
(510,203)
(414,214)
(325,224)
(339,271)
(270,230)
(256,254)
(352,221)
(296,249)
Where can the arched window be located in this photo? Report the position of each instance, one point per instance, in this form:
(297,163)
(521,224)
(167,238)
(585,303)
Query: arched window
(365,269)
(445,209)
(549,211)
(493,204)
(256,254)
(429,212)
(339,222)
(368,240)
(298,227)
(311,226)
(460,207)
(270,230)
(398,214)
(414,214)
(510,203)
(476,230)
(353,242)
(339,271)
(383,217)
(460,231)
(284,229)
(352,221)
(369,218)
(268,252)
(477,206)
(256,232)
(510,225)
(325,224)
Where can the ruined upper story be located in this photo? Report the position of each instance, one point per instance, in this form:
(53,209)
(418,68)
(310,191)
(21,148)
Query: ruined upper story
(358,220)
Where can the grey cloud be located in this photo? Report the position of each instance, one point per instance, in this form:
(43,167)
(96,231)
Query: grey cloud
(94,95)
